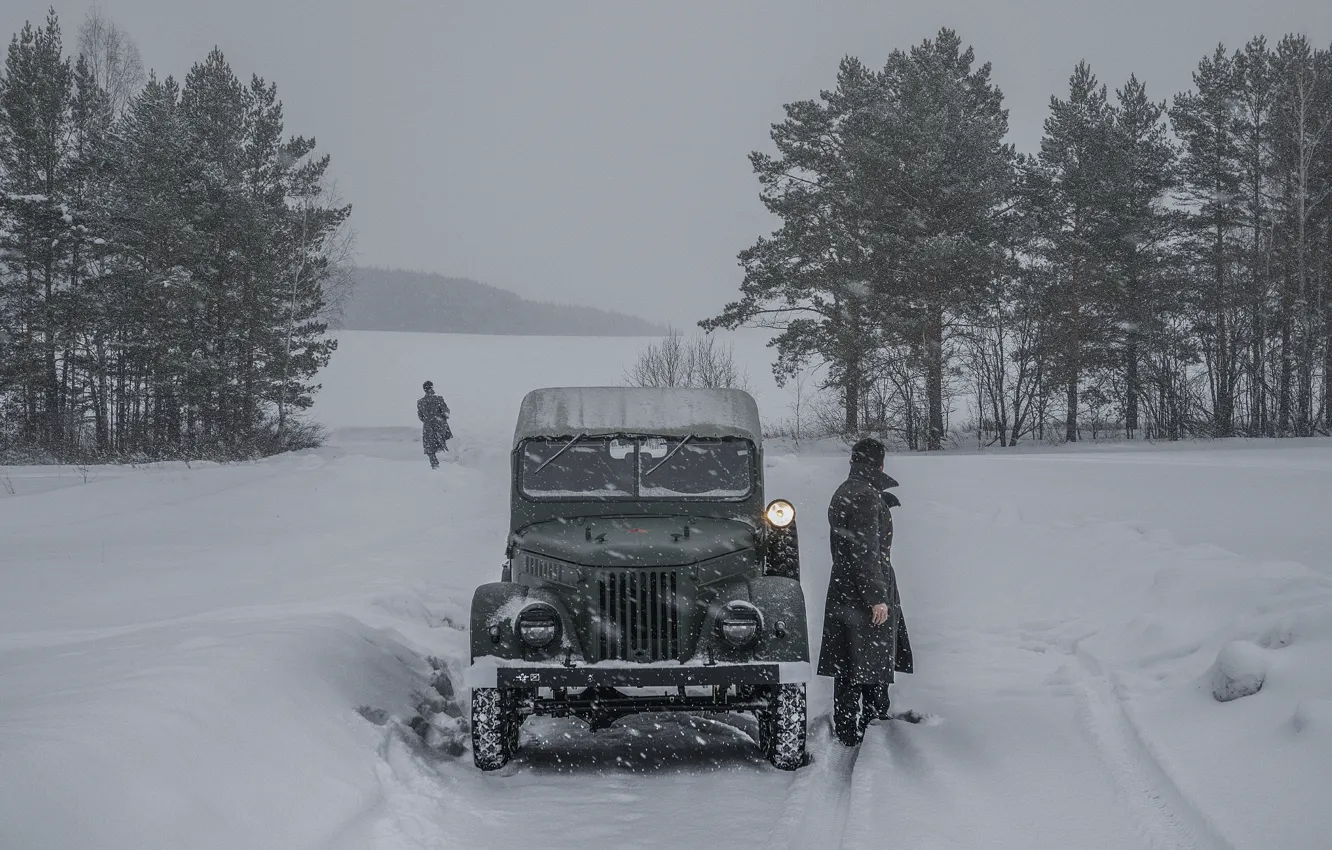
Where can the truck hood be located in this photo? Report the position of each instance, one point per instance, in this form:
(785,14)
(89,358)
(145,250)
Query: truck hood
(636,541)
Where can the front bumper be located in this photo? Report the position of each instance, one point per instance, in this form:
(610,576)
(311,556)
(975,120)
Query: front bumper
(486,673)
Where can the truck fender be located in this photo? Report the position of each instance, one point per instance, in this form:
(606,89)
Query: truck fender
(782,600)
(497,604)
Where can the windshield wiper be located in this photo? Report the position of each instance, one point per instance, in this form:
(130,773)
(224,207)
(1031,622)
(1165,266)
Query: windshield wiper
(564,449)
(669,455)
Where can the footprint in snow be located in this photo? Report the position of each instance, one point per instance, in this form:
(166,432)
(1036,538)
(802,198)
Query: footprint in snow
(913,716)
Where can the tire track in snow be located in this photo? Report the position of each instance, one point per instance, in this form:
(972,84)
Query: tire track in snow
(411,809)
(819,802)
(867,796)
(1166,818)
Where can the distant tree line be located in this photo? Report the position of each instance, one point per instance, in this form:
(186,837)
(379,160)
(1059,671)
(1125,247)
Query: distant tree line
(1157,270)
(166,256)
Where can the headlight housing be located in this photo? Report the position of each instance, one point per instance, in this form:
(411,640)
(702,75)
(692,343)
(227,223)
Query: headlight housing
(538,625)
(780,513)
(739,624)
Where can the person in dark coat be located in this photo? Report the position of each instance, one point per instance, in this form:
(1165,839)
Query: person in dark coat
(864,640)
(903,662)
(434,416)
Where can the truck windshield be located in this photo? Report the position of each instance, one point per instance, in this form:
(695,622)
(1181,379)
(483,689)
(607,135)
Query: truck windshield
(576,467)
(642,468)
(716,469)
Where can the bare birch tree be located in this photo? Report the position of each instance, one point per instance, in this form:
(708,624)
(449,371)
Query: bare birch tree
(113,57)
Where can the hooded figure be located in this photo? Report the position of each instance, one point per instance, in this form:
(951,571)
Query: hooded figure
(434,416)
(864,636)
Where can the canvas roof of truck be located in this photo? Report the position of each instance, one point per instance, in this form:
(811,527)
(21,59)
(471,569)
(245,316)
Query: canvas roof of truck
(667,412)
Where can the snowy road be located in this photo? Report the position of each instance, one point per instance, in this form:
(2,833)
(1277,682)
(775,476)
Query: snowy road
(231,657)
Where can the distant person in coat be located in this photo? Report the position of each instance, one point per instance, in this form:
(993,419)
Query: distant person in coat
(864,636)
(434,416)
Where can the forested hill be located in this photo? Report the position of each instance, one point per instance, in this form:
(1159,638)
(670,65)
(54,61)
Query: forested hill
(398,300)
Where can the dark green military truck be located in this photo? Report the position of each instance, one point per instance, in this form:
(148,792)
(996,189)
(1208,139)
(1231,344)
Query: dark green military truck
(645,571)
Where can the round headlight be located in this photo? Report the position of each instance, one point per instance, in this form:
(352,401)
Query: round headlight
(739,624)
(781,513)
(538,625)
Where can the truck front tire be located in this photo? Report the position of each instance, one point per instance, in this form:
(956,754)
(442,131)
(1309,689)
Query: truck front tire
(494,727)
(783,729)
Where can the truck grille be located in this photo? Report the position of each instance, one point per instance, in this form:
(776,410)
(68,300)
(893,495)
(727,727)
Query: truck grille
(638,616)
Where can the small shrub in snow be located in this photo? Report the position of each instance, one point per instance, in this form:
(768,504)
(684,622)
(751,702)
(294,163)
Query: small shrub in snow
(1239,671)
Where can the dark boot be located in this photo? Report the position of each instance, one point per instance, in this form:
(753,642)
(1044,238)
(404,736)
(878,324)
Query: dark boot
(848,711)
(877,701)
(434,462)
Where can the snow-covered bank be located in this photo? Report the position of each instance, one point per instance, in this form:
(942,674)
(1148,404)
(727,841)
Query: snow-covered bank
(183,652)
(230,656)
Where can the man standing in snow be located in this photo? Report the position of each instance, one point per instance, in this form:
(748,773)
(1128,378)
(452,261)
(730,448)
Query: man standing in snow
(434,416)
(863,634)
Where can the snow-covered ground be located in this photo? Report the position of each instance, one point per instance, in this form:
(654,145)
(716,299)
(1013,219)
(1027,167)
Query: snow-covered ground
(233,656)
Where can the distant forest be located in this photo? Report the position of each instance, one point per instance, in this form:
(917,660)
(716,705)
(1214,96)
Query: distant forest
(169,256)
(397,300)
(1159,268)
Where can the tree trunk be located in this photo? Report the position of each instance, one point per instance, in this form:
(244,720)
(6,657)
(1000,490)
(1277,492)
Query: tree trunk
(1074,353)
(51,377)
(1162,399)
(1134,385)
(1327,330)
(934,377)
(1258,424)
(1223,417)
(1327,368)
(851,395)
(1258,392)
(1287,366)
(1071,402)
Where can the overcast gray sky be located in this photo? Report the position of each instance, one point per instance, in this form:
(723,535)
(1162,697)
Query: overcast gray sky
(595,152)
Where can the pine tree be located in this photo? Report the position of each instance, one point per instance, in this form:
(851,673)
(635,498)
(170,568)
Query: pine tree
(808,279)
(892,193)
(1206,124)
(151,245)
(299,264)
(1070,194)
(83,358)
(1257,98)
(1141,228)
(34,124)
(943,194)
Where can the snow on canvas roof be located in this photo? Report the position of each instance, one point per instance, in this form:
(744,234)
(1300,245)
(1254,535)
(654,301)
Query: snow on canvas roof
(567,411)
